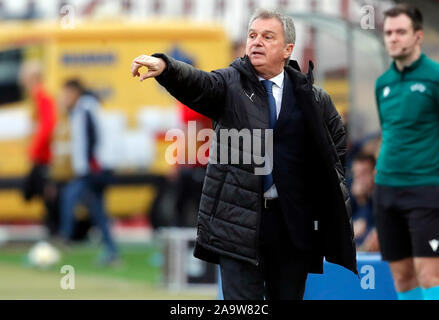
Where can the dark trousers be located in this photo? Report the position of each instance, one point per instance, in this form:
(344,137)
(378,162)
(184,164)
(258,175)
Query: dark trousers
(283,269)
(36,184)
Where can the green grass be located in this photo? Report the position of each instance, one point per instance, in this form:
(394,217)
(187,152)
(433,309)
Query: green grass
(137,277)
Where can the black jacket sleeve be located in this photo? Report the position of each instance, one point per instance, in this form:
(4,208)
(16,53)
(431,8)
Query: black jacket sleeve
(202,91)
(335,127)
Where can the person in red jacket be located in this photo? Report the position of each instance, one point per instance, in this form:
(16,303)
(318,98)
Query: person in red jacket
(37,183)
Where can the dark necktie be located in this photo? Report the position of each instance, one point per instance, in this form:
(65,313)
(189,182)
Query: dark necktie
(268,85)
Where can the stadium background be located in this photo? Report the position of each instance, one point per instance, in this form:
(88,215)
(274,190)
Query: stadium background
(96,42)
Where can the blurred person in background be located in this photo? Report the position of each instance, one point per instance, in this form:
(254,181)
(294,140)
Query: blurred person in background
(38,182)
(407,180)
(363,174)
(91,176)
(369,144)
(265,231)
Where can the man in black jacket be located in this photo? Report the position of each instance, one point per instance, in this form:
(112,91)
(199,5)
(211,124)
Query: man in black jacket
(269,231)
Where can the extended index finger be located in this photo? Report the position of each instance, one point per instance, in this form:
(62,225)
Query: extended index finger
(144,60)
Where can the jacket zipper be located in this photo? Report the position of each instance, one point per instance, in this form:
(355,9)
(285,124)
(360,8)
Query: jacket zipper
(258,223)
(263,93)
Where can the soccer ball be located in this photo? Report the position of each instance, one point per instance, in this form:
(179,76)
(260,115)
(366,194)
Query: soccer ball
(43,255)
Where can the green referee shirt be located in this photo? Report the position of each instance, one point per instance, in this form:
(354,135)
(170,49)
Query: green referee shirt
(408,109)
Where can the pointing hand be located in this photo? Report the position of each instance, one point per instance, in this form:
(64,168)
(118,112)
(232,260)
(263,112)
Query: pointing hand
(155,67)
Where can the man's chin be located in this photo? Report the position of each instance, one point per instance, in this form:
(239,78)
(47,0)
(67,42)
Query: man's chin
(257,60)
(396,55)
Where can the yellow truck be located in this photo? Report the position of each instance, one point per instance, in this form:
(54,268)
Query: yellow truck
(100,54)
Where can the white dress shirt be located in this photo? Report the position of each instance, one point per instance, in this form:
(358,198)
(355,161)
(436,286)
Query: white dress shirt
(278,87)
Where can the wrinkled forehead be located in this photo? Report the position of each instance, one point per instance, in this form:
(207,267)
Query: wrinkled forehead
(272,25)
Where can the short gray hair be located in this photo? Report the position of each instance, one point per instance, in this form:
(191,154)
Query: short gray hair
(286,21)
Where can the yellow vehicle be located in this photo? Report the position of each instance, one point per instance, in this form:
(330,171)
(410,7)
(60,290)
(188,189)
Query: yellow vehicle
(99,54)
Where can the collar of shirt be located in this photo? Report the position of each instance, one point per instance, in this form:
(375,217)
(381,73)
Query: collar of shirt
(278,80)
(412,66)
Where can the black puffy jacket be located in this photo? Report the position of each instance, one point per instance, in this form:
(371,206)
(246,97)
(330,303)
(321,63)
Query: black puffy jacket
(230,206)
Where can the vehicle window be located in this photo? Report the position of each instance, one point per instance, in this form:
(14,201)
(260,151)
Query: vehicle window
(10,62)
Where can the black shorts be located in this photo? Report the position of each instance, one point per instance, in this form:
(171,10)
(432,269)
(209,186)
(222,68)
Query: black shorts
(407,221)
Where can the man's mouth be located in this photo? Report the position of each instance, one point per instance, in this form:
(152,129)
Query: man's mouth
(256,53)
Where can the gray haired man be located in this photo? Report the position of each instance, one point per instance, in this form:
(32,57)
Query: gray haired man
(267,232)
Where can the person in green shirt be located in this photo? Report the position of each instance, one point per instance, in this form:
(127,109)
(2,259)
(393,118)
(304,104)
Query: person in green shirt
(406,196)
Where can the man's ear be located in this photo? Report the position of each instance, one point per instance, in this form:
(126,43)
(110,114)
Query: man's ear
(419,35)
(288,50)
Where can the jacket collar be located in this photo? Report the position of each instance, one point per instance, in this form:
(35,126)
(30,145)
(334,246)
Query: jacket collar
(299,79)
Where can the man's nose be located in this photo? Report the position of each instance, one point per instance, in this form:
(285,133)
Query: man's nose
(258,41)
(393,37)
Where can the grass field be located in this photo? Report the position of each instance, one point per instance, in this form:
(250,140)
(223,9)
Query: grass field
(137,277)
